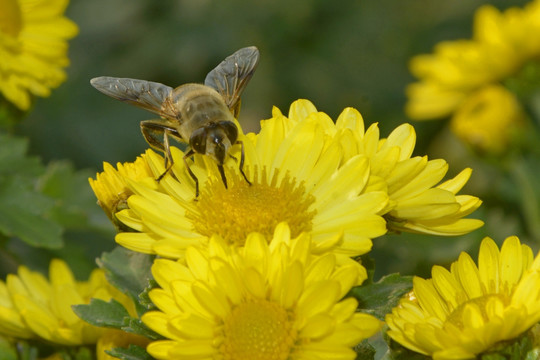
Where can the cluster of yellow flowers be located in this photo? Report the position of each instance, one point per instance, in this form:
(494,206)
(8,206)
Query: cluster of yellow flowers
(461,313)
(33,48)
(260,270)
(35,308)
(464,78)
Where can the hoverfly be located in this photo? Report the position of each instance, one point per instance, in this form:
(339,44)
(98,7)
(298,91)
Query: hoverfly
(200,115)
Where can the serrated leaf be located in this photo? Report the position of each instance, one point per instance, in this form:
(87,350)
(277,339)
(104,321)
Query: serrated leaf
(129,271)
(379,298)
(112,314)
(102,314)
(136,326)
(133,352)
(144,297)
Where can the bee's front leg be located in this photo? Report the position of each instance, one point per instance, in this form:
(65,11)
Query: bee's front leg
(186,156)
(169,162)
(157,133)
(242,158)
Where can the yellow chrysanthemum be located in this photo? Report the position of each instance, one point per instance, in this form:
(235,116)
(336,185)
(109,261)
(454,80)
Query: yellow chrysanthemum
(502,43)
(489,120)
(32,307)
(111,187)
(33,48)
(298,173)
(265,301)
(417,203)
(461,313)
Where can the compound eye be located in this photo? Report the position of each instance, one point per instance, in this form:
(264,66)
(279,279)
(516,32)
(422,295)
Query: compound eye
(230,130)
(197,141)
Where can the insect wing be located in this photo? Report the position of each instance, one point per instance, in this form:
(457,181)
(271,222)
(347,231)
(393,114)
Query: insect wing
(147,95)
(231,76)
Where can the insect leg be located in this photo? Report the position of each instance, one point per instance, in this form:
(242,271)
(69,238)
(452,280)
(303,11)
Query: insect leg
(169,162)
(222,173)
(168,156)
(187,155)
(242,157)
(156,134)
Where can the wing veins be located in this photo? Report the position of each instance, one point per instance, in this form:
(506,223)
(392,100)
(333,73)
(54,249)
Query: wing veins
(147,95)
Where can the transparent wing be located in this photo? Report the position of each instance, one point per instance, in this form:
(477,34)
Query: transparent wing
(147,95)
(231,76)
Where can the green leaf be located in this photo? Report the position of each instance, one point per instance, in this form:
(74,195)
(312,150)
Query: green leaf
(364,351)
(102,314)
(133,352)
(112,315)
(516,349)
(144,297)
(136,326)
(24,211)
(379,298)
(128,271)
(13,158)
(22,214)
(75,203)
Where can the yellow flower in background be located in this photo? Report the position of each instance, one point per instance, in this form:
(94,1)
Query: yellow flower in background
(299,174)
(463,312)
(33,48)
(32,307)
(267,300)
(489,119)
(502,44)
(419,203)
(110,186)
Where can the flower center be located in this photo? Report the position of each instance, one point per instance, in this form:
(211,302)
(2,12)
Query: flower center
(480,305)
(10,17)
(258,330)
(241,209)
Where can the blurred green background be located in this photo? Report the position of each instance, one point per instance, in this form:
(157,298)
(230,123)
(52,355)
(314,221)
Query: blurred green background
(336,54)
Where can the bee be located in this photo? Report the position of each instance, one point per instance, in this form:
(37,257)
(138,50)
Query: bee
(201,115)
